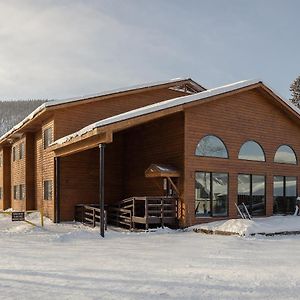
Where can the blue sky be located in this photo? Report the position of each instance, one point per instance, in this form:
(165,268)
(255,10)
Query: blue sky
(59,48)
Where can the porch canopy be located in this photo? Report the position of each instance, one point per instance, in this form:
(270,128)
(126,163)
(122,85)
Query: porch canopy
(161,170)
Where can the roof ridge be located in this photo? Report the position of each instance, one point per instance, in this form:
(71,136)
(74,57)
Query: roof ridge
(69,100)
(160,106)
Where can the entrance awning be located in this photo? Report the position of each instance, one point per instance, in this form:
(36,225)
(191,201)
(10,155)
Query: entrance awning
(161,170)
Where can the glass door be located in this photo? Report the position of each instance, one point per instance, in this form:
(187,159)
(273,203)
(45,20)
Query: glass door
(285,194)
(252,192)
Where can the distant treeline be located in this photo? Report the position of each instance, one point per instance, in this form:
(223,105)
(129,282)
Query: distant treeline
(12,112)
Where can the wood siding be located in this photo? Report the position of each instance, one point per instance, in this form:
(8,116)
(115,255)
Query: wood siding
(18,175)
(236,119)
(126,160)
(71,118)
(5,178)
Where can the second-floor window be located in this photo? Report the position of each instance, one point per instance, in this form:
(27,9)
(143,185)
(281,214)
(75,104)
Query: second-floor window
(48,190)
(19,192)
(16,192)
(22,191)
(48,137)
(1,161)
(21,150)
(14,153)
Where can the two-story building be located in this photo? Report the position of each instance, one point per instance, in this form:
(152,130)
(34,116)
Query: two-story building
(218,148)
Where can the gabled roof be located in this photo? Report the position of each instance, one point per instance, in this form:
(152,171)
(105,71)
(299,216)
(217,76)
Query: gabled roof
(52,103)
(173,103)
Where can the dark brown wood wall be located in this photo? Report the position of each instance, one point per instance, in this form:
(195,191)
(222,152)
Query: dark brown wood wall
(245,116)
(68,120)
(126,160)
(158,141)
(30,174)
(75,117)
(79,181)
(5,178)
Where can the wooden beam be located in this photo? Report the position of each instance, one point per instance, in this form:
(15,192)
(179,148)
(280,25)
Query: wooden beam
(173,185)
(101,187)
(84,144)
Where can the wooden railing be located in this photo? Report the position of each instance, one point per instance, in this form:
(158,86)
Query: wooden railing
(120,216)
(134,212)
(159,210)
(89,215)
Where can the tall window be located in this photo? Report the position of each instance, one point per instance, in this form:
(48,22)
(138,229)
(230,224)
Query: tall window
(21,150)
(284,193)
(48,190)
(1,193)
(211,146)
(1,160)
(14,153)
(48,137)
(21,191)
(252,192)
(286,155)
(16,192)
(211,197)
(252,151)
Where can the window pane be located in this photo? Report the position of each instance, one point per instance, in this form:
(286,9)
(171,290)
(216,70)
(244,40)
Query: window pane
(285,154)
(21,151)
(47,137)
(211,146)
(202,201)
(278,186)
(291,187)
(258,195)
(244,190)
(285,200)
(219,194)
(251,151)
(243,184)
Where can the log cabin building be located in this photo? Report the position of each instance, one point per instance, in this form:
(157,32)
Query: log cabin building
(169,151)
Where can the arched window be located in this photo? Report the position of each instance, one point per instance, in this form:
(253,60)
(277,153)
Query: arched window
(252,151)
(286,155)
(211,146)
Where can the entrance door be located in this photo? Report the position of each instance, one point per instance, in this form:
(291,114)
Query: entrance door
(285,194)
(252,192)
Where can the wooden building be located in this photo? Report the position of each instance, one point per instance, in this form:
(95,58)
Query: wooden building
(171,152)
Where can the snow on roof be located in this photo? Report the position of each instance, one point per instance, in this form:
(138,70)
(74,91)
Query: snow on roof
(120,90)
(160,106)
(69,100)
(169,104)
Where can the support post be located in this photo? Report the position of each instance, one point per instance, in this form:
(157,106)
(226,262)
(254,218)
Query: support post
(57,189)
(101,188)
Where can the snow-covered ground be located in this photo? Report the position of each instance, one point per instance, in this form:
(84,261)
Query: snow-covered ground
(69,261)
(274,224)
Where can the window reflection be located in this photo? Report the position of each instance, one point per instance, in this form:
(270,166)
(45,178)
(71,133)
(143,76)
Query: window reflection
(285,193)
(251,192)
(211,146)
(251,151)
(211,194)
(285,154)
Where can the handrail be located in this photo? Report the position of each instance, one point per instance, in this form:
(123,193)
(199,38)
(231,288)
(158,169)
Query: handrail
(91,214)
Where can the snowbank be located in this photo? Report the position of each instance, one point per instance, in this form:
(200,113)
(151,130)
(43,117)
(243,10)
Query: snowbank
(269,225)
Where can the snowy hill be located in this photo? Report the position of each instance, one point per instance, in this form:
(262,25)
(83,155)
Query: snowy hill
(12,112)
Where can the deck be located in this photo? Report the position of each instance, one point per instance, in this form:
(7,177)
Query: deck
(132,213)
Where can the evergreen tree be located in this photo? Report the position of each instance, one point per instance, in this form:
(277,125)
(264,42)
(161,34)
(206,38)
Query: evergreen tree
(12,112)
(295,91)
